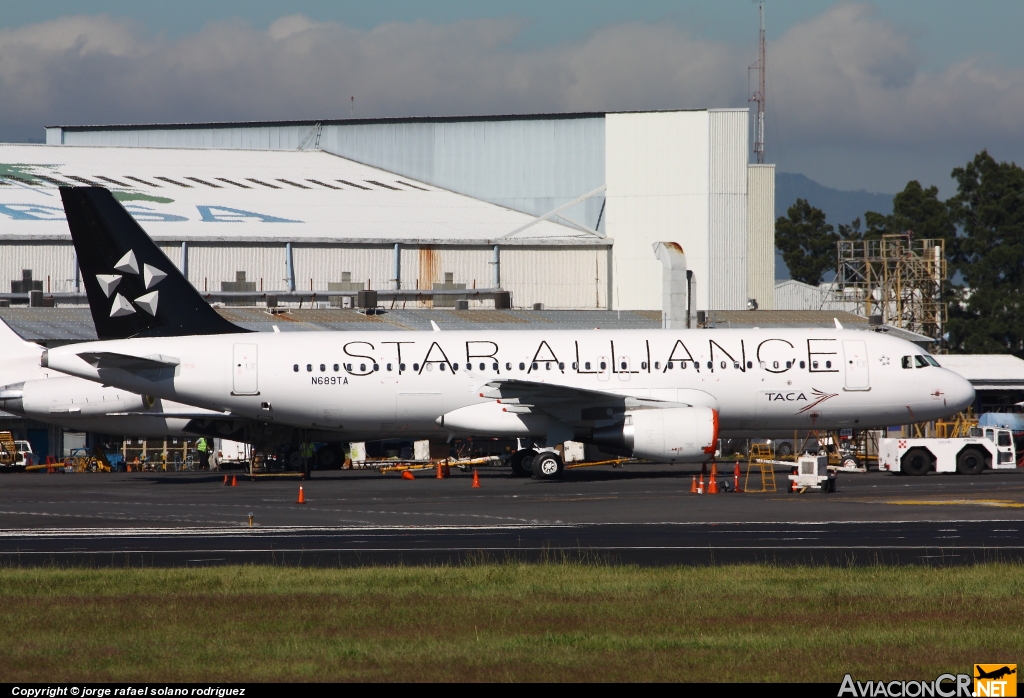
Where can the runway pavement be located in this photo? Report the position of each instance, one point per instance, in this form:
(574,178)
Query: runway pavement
(636,514)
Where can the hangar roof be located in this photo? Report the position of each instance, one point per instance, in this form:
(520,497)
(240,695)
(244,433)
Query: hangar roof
(987,371)
(265,196)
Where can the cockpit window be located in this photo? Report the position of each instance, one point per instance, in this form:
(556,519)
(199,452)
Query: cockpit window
(921,363)
(907,362)
(931,359)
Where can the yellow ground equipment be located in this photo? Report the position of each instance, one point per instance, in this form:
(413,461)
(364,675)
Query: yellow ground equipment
(761,456)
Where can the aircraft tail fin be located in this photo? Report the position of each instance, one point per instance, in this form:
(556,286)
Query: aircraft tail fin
(12,344)
(134,290)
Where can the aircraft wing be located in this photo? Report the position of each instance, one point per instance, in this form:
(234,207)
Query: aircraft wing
(109,359)
(572,405)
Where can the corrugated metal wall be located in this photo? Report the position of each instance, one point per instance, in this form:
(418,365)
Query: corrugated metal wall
(761,235)
(529,165)
(727,208)
(796,295)
(53,261)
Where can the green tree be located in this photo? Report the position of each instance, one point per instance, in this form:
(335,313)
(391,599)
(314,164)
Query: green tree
(918,210)
(807,242)
(988,316)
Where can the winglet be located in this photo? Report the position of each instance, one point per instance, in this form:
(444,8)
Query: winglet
(839,325)
(434,326)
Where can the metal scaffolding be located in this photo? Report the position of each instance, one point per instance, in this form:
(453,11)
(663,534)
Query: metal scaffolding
(898,277)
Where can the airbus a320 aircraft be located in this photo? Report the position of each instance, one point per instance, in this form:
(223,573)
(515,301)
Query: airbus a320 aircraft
(663,395)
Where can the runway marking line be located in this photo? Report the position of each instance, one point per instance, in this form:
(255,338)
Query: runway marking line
(1001,503)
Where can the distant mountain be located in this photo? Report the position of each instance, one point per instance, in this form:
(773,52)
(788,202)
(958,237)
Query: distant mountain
(839,206)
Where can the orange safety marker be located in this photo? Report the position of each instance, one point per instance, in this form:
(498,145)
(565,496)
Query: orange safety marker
(302,496)
(476,478)
(234,481)
(693,485)
(736,478)
(407,475)
(792,486)
(700,484)
(713,480)
(440,471)
(447,470)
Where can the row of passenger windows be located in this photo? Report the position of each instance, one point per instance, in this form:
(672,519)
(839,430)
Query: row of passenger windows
(603,366)
(919,361)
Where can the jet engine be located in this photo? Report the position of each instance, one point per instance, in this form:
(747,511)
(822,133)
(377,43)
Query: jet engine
(672,434)
(493,419)
(68,397)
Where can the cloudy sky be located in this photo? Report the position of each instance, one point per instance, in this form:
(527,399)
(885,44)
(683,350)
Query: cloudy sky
(860,95)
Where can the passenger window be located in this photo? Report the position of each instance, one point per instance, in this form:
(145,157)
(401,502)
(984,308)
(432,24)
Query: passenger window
(735,365)
(376,367)
(921,363)
(907,362)
(389,367)
(335,368)
(657,364)
(547,366)
(709,365)
(669,365)
(575,365)
(561,366)
(603,365)
(587,365)
(508,367)
(309,368)
(482,367)
(415,367)
(440,367)
(295,368)
(522,366)
(534,365)
(401,367)
(494,366)
(814,364)
(803,365)
(789,364)
(828,364)
(750,364)
(722,363)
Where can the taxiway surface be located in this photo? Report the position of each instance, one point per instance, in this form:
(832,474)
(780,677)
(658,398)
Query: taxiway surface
(636,514)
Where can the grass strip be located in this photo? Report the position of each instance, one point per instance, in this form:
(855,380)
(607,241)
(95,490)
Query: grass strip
(514,622)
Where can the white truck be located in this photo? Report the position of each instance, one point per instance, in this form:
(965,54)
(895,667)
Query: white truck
(986,447)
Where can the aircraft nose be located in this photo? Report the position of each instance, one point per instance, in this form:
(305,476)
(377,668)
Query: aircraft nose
(959,391)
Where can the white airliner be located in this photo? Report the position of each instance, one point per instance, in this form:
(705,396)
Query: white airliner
(48,396)
(664,395)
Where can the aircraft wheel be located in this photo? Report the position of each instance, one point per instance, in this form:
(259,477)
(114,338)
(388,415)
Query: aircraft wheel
(785,449)
(850,462)
(293,459)
(522,462)
(547,466)
(970,462)
(329,457)
(916,461)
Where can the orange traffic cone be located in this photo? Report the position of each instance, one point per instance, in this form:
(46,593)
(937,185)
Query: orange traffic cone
(234,481)
(440,471)
(476,478)
(302,496)
(447,470)
(792,485)
(693,485)
(225,479)
(700,484)
(407,475)
(736,478)
(713,480)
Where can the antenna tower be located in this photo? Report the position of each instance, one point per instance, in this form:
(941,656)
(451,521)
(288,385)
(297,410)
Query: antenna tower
(759,95)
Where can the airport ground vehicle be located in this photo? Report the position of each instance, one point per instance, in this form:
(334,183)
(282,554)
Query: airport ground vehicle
(985,447)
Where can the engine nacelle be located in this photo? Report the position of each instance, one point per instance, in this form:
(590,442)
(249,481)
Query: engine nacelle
(670,435)
(493,419)
(71,397)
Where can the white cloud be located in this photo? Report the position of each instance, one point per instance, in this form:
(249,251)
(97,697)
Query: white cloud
(846,78)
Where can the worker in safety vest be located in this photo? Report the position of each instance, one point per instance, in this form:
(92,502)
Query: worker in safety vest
(203,447)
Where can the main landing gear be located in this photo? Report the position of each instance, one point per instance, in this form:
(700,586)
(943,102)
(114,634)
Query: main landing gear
(541,465)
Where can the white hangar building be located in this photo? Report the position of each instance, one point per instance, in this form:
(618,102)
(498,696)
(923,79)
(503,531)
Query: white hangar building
(573,203)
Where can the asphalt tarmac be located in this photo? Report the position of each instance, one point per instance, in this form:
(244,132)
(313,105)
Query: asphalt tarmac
(635,514)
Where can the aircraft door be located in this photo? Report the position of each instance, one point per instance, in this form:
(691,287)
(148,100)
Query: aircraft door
(244,370)
(855,352)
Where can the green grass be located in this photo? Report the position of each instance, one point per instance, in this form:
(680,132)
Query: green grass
(507,622)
